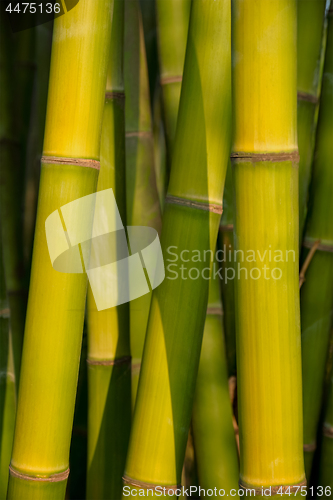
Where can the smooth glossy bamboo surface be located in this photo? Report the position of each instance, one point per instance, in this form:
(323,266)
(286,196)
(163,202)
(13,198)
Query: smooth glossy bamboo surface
(143,208)
(317,291)
(57,300)
(213,432)
(190,222)
(172,18)
(109,362)
(265,177)
(311,44)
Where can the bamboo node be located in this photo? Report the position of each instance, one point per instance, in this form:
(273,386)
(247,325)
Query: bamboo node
(171,79)
(328,430)
(271,157)
(54,478)
(209,207)
(274,490)
(325,247)
(109,362)
(214,310)
(80,162)
(120,96)
(227,228)
(140,484)
(309,448)
(5,313)
(307,262)
(140,133)
(304,96)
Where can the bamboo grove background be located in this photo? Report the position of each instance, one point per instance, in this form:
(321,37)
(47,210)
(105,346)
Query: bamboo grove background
(212,122)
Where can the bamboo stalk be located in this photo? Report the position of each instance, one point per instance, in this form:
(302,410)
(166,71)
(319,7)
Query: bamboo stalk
(226,247)
(10,193)
(148,10)
(76,487)
(191,219)
(172,18)
(311,43)
(142,202)
(265,177)
(317,290)
(326,459)
(213,431)
(36,135)
(7,386)
(39,465)
(159,148)
(109,362)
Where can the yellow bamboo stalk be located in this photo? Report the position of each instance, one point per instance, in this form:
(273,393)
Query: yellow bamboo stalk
(56,304)
(265,172)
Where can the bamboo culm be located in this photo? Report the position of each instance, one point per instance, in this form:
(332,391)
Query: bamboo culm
(172,19)
(109,361)
(311,19)
(56,304)
(265,175)
(214,437)
(191,218)
(142,201)
(317,290)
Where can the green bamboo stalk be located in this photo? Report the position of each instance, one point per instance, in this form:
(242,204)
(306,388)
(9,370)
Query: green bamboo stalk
(142,203)
(7,386)
(265,177)
(214,437)
(50,362)
(311,43)
(109,362)
(226,247)
(36,135)
(10,193)
(317,290)
(159,148)
(326,459)
(191,219)
(148,10)
(76,486)
(172,18)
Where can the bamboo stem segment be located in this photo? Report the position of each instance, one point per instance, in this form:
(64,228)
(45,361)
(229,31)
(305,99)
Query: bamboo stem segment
(266,228)
(213,432)
(311,44)
(173,342)
(109,361)
(11,181)
(142,201)
(56,299)
(317,290)
(172,19)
